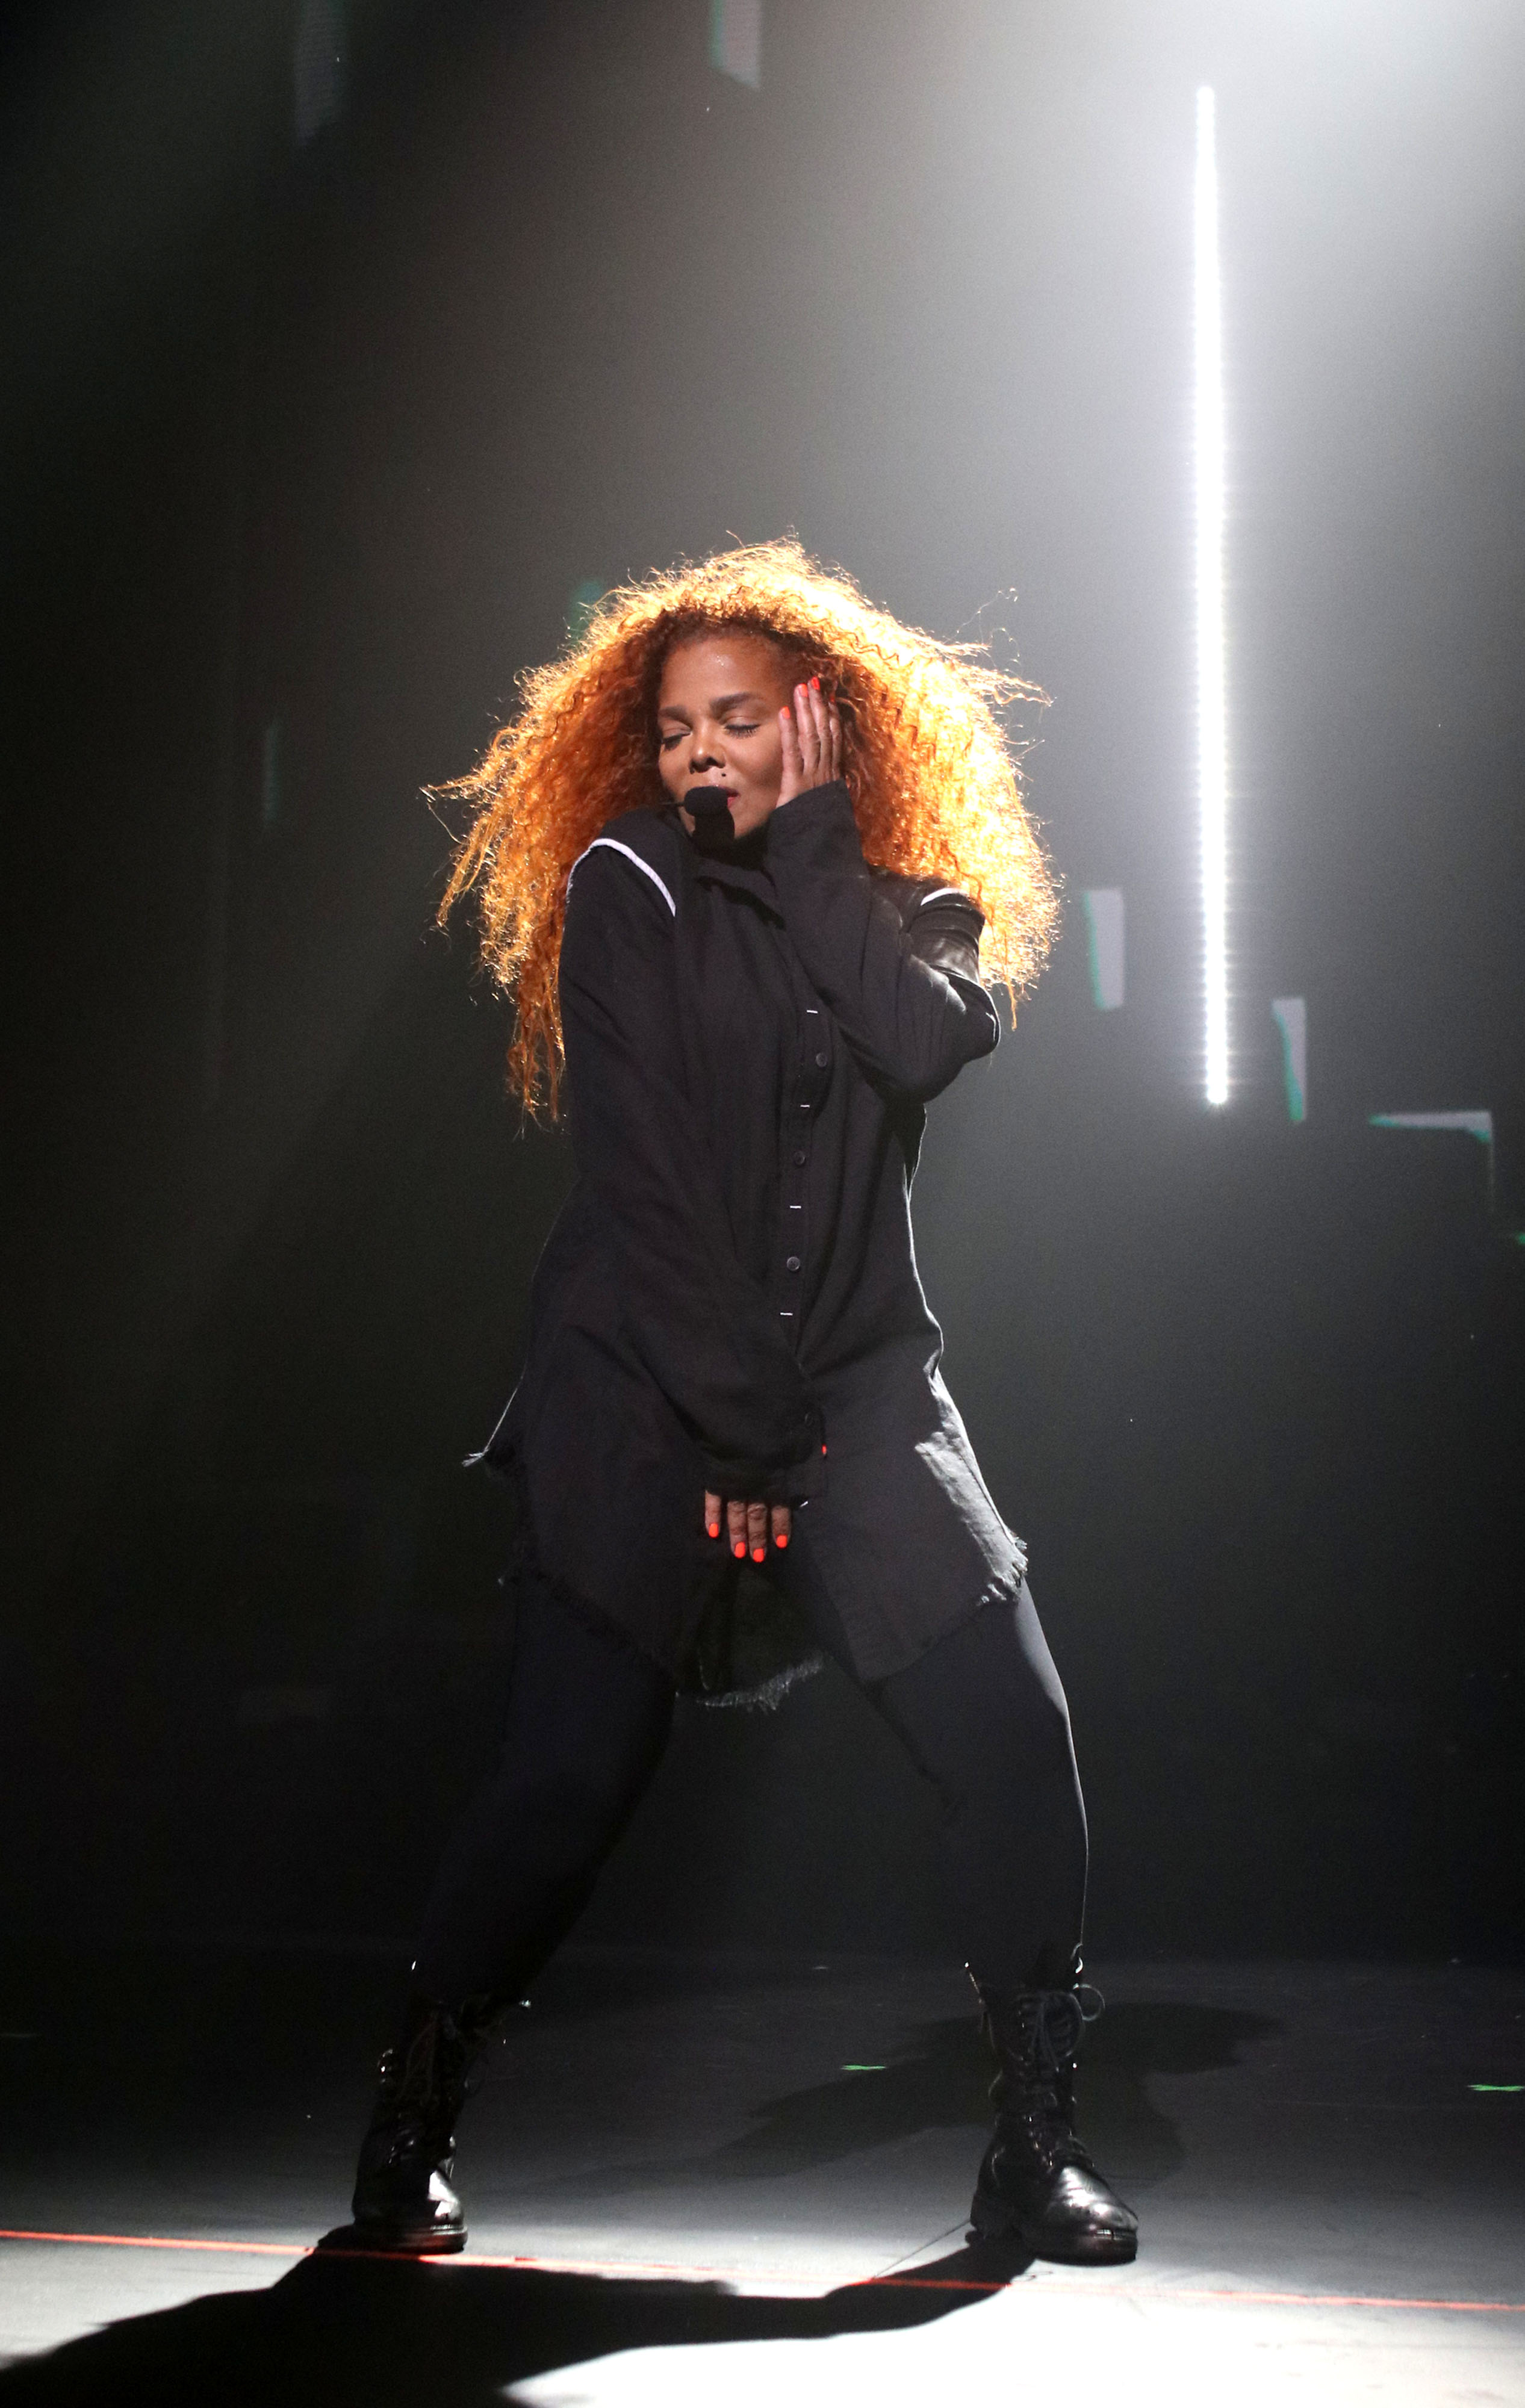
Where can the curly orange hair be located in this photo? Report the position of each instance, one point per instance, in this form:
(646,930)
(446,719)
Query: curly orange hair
(935,782)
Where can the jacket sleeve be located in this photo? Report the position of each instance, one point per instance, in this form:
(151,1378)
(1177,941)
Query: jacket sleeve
(703,1328)
(908,1001)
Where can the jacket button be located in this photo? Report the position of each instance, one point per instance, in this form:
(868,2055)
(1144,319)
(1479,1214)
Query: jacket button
(821,1060)
(800,1158)
(791,1262)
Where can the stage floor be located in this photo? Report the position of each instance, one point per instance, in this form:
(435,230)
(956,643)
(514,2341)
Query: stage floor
(681,2171)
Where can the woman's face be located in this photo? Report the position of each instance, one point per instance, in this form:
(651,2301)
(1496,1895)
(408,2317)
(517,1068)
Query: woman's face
(717,722)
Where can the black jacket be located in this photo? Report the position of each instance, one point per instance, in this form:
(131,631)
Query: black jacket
(731,1290)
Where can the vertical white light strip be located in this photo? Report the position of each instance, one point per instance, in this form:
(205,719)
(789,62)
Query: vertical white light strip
(1212,736)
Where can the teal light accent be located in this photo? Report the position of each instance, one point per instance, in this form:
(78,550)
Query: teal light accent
(1105,945)
(581,603)
(1510,2087)
(884,2068)
(1477,1125)
(1290,1014)
(736,39)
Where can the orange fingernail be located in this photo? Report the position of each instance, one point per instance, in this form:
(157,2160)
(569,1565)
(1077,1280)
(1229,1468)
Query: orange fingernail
(815,683)
(759,1555)
(738,1547)
(714,1529)
(780,1538)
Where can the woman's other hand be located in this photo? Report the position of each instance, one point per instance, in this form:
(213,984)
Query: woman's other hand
(748,1525)
(811,734)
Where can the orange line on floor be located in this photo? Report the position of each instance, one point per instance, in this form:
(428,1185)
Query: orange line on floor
(643,2270)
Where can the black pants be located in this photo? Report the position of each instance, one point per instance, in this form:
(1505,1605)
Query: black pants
(982,1714)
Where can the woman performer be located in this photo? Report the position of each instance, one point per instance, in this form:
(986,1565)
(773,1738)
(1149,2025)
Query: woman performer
(735,858)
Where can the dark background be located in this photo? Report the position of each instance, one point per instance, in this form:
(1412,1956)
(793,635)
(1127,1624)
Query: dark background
(312,434)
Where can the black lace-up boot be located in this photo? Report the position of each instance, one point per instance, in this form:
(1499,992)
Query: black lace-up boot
(403,2197)
(1037,2184)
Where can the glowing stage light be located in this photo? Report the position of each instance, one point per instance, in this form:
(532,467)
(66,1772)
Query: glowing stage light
(1212,733)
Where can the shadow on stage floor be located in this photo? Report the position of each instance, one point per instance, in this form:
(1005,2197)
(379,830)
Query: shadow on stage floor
(347,2330)
(941,2078)
(341,2328)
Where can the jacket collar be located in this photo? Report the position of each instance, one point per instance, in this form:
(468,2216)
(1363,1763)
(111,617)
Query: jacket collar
(745,870)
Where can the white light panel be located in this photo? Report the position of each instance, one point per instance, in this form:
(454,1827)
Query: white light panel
(1212,731)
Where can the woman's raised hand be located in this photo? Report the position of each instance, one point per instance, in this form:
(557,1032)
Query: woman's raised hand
(748,1527)
(812,737)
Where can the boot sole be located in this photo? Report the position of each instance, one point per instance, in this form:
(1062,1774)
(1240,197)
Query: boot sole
(991,2221)
(388,2242)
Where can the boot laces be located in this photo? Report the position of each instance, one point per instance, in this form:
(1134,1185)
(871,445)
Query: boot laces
(1036,2037)
(1059,2021)
(440,2064)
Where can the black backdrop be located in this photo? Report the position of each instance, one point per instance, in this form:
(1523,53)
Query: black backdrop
(310,446)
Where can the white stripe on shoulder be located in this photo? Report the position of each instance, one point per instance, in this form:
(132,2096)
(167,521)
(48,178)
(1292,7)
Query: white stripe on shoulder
(630,854)
(940,894)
